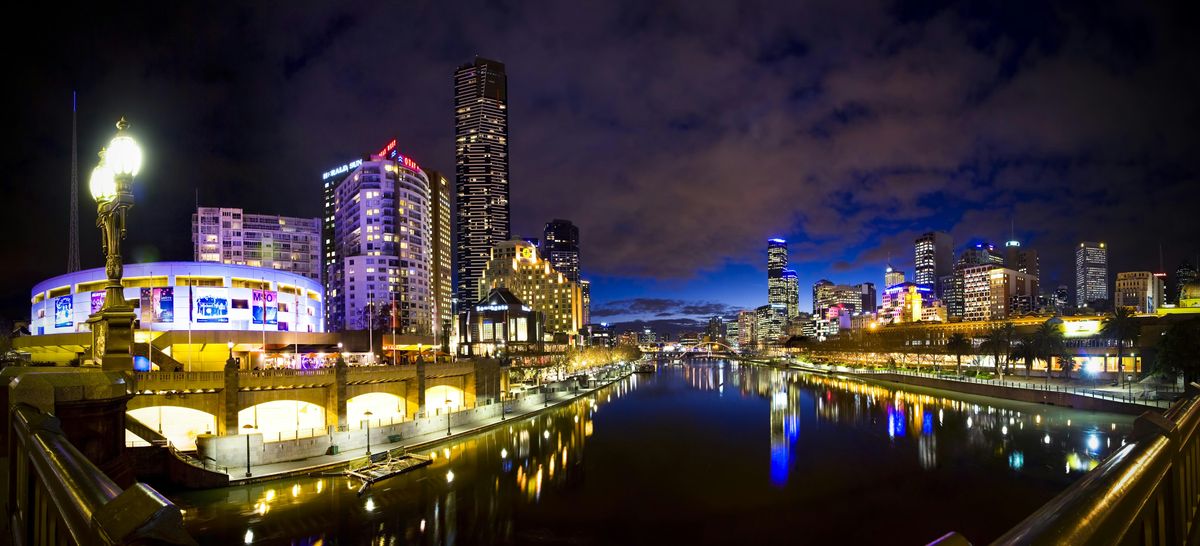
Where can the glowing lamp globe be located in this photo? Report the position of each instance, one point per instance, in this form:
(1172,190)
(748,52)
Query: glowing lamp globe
(102,184)
(124,156)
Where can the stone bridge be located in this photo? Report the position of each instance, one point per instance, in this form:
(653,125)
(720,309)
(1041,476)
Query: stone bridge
(225,393)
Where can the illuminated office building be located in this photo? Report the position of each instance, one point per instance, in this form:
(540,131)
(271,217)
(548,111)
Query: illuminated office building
(791,293)
(995,293)
(953,286)
(892,277)
(481,176)
(1091,273)
(585,292)
(777,261)
(232,236)
(1021,259)
(379,256)
(933,256)
(1185,275)
(858,298)
(746,329)
(769,321)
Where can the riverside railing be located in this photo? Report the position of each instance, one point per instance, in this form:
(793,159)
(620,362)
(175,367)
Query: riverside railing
(1147,492)
(57,496)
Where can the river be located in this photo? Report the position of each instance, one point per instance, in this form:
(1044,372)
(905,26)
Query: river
(710,452)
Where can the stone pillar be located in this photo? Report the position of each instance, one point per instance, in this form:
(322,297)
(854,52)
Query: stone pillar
(412,403)
(90,405)
(227,421)
(336,405)
(421,384)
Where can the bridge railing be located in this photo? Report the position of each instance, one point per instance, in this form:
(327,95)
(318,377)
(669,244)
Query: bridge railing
(1147,492)
(57,496)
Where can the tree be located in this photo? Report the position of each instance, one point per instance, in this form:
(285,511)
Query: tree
(1048,342)
(998,343)
(958,345)
(1025,351)
(1179,351)
(1122,326)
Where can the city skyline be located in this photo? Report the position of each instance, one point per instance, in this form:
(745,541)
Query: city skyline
(290,123)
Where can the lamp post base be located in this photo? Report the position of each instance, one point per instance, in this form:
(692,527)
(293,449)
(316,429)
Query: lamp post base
(112,337)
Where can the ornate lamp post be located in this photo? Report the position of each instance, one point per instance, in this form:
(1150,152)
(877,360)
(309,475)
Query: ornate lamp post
(111,185)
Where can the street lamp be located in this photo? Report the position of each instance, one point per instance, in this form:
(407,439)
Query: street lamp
(368,415)
(248,429)
(447,417)
(111,185)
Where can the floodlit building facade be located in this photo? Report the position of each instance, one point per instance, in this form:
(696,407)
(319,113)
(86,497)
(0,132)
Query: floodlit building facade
(1141,291)
(515,266)
(933,256)
(233,236)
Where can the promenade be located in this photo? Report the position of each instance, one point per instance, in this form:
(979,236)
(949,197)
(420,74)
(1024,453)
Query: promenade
(524,407)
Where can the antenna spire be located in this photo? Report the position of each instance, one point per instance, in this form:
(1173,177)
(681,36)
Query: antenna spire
(73,244)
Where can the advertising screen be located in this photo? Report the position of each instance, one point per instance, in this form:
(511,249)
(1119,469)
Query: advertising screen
(97,301)
(62,311)
(266,303)
(210,304)
(158,305)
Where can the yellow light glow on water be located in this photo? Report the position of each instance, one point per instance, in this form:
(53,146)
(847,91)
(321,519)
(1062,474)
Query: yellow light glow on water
(295,490)
(446,452)
(320,486)
(270,495)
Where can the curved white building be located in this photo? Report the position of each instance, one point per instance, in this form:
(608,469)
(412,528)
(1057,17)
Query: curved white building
(170,296)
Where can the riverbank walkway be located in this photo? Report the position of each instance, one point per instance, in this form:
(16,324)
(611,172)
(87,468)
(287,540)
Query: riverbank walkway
(1146,393)
(519,409)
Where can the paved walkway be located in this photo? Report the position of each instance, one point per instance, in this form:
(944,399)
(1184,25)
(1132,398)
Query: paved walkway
(1143,393)
(521,409)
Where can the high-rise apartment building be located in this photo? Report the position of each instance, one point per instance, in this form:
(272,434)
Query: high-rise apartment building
(1141,291)
(852,299)
(933,256)
(560,245)
(515,265)
(769,321)
(443,252)
(1091,273)
(481,176)
(379,256)
(282,243)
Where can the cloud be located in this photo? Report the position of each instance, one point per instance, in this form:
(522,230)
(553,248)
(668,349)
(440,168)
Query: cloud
(659,307)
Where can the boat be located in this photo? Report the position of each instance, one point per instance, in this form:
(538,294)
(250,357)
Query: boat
(644,368)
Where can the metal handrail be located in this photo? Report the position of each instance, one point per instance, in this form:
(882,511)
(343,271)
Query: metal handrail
(84,505)
(1146,492)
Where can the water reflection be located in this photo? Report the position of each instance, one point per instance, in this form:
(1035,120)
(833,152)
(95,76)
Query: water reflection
(688,442)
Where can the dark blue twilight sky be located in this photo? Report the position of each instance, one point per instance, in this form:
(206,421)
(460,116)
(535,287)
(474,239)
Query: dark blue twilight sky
(679,136)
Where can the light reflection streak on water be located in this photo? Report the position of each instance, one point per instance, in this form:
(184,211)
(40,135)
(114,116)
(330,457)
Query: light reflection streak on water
(535,455)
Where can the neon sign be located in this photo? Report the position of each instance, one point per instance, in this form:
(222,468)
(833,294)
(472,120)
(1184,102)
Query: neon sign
(391,146)
(341,170)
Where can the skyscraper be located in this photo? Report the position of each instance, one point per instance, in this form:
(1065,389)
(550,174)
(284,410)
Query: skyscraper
(933,256)
(953,285)
(443,252)
(1091,273)
(585,293)
(777,261)
(481,176)
(560,245)
(379,259)
(791,292)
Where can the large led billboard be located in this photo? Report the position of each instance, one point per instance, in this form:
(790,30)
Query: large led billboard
(63,306)
(210,304)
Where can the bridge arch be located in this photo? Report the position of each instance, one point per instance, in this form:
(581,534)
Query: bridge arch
(382,405)
(439,398)
(276,416)
(180,424)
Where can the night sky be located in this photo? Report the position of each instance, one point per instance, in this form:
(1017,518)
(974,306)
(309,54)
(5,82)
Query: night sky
(679,136)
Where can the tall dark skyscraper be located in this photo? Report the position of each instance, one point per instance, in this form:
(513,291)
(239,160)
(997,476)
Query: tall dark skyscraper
(1184,274)
(560,245)
(481,177)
